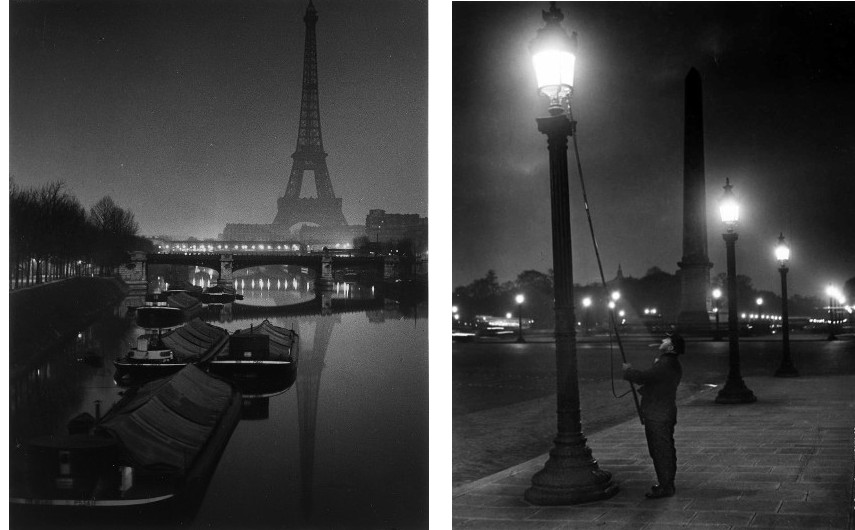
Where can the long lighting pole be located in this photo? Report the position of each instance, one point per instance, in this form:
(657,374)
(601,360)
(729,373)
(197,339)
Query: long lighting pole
(571,474)
(734,391)
(787,368)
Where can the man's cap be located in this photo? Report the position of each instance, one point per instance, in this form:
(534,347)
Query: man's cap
(678,342)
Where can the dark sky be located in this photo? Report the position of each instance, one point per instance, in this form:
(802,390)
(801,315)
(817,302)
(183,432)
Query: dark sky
(186,112)
(779,103)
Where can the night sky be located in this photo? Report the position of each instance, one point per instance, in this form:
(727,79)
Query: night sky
(186,112)
(779,102)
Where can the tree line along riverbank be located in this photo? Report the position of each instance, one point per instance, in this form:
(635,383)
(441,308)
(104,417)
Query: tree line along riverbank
(44,317)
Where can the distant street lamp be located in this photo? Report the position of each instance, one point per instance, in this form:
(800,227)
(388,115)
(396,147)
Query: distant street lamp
(571,475)
(716,294)
(782,254)
(520,299)
(833,294)
(586,303)
(734,390)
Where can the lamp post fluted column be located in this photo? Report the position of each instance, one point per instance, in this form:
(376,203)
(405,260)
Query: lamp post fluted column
(734,390)
(571,475)
(787,369)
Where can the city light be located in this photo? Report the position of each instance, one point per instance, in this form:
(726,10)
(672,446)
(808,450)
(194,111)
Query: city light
(728,207)
(782,251)
(553,54)
(586,302)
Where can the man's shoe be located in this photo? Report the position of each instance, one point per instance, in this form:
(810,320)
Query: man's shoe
(658,492)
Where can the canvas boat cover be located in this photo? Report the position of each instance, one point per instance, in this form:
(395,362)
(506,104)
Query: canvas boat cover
(281,339)
(196,341)
(183,301)
(166,423)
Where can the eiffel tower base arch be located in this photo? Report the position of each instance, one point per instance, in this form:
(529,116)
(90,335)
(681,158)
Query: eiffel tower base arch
(322,212)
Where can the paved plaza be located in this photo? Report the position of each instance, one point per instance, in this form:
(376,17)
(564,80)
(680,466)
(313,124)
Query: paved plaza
(785,461)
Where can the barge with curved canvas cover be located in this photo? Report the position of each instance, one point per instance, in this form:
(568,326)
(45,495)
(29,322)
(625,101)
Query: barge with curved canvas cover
(183,300)
(157,447)
(259,359)
(160,355)
(218,295)
(156,314)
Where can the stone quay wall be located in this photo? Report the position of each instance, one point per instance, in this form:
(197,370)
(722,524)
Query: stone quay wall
(43,317)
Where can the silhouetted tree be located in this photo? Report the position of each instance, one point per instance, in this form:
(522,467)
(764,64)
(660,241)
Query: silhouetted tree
(51,236)
(116,232)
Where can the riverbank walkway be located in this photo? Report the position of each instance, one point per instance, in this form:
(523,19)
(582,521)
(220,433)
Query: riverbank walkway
(785,461)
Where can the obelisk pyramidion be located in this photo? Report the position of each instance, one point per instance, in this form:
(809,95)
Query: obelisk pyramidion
(695,264)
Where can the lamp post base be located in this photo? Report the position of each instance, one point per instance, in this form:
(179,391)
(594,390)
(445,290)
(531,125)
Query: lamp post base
(570,476)
(735,392)
(520,339)
(787,370)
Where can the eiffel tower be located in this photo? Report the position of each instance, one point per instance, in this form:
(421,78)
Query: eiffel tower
(325,210)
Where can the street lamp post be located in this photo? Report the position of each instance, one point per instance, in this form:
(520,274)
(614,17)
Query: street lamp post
(787,369)
(571,475)
(520,299)
(833,294)
(716,294)
(586,303)
(734,390)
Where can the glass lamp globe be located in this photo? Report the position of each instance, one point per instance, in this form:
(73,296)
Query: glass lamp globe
(728,207)
(520,299)
(782,251)
(553,54)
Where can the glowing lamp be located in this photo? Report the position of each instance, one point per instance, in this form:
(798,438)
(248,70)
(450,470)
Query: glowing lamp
(782,251)
(520,299)
(716,293)
(728,207)
(553,54)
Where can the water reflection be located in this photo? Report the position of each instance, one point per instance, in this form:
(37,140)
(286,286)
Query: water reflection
(346,447)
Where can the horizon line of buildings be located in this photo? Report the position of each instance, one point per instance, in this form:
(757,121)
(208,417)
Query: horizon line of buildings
(380,227)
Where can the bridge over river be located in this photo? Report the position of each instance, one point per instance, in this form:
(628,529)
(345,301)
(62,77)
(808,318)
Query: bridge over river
(135,273)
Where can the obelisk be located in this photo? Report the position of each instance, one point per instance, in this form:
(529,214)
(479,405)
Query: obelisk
(695,264)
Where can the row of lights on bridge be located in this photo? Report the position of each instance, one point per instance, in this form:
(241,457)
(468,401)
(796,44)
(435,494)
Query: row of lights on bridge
(210,248)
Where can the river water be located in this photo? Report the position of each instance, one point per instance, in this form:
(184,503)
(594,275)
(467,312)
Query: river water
(345,446)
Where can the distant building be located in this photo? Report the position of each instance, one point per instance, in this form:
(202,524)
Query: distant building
(379,227)
(382,227)
(255,232)
(317,237)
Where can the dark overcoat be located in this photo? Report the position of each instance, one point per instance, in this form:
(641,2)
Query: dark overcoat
(659,387)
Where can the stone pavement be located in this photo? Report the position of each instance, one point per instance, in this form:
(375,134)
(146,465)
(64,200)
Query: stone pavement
(785,461)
